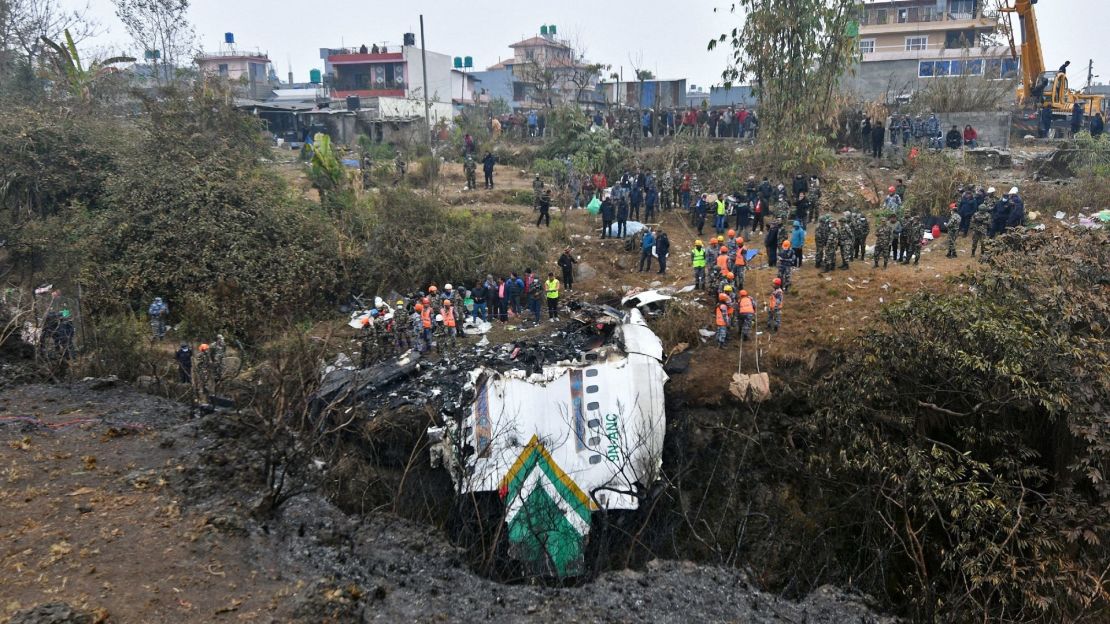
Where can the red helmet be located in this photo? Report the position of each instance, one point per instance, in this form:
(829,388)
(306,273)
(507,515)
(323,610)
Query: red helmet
(723,298)
(418,307)
(366,321)
(778,281)
(891,190)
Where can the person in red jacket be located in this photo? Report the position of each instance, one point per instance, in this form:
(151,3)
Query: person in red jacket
(971,137)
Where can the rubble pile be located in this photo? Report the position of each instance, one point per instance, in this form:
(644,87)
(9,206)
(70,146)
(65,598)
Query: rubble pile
(414,380)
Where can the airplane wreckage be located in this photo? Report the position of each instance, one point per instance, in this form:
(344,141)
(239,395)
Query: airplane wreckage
(558,426)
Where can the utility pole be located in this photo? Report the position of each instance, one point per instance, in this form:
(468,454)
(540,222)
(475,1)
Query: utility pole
(1091,72)
(424,67)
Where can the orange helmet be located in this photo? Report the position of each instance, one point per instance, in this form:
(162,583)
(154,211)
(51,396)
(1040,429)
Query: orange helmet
(730,275)
(418,307)
(722,297)
(432,288)
(739,240)
(203,348)
(778,281)
(953,206)
(447,302)
(731,233)
(724,250)
(366,321)
(743,293)
(786,244)
(426,301)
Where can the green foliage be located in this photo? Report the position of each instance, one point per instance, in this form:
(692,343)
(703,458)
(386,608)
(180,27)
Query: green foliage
(802,152)
(550,169)
(794,53)
(412,242)
(327,172)
(966,434)
(934,179)
(425,172)
(71,72)
(590,151)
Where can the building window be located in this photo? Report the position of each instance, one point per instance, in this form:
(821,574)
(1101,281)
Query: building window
(942,68)
(867,46)
(917,43)
(1010,68)
(961,9)
(974,67)
(222,69)
(925,69)
(903,16)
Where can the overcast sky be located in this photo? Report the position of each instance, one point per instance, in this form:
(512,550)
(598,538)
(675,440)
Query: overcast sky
(666,36)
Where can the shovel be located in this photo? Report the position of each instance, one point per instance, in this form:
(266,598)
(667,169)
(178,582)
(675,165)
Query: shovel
(755,387)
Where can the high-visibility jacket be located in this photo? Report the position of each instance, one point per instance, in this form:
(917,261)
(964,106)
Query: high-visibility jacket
(722,315)
(740,260)
(426,317)
(720,208)
(449,316)
(722,262)
(552,286)
(747,305)
(698,255)
(775,300)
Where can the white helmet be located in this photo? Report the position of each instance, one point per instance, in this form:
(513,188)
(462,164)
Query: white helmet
(1013,190)
(991,190)
(447,287)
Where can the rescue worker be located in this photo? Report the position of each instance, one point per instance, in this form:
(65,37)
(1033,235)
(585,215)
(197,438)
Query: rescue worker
(787,261)
(862,229)
(740,262)
(723,319)
(697,261)
(158,311)
(402,336)
(953,226)
(821,240)
(416,327)
(774,306)
(425,310)
(847,237)
(551,286)
(545,209)
(566,263)
(450,323)
(203,377)
(911,233)
(722,259)
(368,340)
(535,298)
(745,307)
(471,168)
(399,165)
(883,236)
(980,227)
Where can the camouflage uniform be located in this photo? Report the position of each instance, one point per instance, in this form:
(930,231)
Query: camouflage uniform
(368,344)
(402,330)
(666,189)
(821,239)
(782,210)
(883,235)
(218,350)
(863,228)
(829,258)
(815,197)
(847,238)
(953,226)
(911,233)
(471,168)
(980,226)
(399,165)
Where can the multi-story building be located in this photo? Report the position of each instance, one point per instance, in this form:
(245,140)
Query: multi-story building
(394,71)
(543,71)
(248,73)
(905,44)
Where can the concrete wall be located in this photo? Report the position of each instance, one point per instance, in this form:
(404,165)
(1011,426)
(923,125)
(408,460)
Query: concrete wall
(498,84)
(993,128)
(407,108)
(439,75)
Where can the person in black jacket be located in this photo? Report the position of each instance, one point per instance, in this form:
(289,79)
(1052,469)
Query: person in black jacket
(878,137)
(966,209)
(999,215)
(487,168)
(662,248)
(566,263)
(607,214)
(799,185)
(1097,125)
(622,216)
(802,208)
(771,243)
(184,357)
(954,139)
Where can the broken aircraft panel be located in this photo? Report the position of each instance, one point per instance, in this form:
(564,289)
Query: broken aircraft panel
(563,441)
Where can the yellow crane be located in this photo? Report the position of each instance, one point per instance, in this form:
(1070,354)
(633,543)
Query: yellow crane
(1041,88)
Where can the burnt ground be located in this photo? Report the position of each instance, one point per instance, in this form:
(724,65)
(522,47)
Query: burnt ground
(128,509)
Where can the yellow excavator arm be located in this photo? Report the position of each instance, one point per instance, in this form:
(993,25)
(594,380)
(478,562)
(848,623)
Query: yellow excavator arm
(1040,87)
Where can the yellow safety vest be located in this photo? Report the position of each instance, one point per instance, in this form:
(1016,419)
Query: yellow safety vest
(552,286)
(699,257)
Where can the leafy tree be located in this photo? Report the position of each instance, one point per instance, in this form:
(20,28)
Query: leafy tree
(162,26)
(794,52)
(69,70)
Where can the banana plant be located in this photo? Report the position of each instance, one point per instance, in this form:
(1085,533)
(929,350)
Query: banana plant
(69,70)
(327,171)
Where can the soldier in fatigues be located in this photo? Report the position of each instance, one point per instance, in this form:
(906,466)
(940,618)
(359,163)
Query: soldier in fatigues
(883,236)
(821,239)
(368,342)
(399,165)
(537,192)
(953,226)
(863,228)
(402,328)
(847,238)
(828,258)
(980,226)
(911,232)
(471,169)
